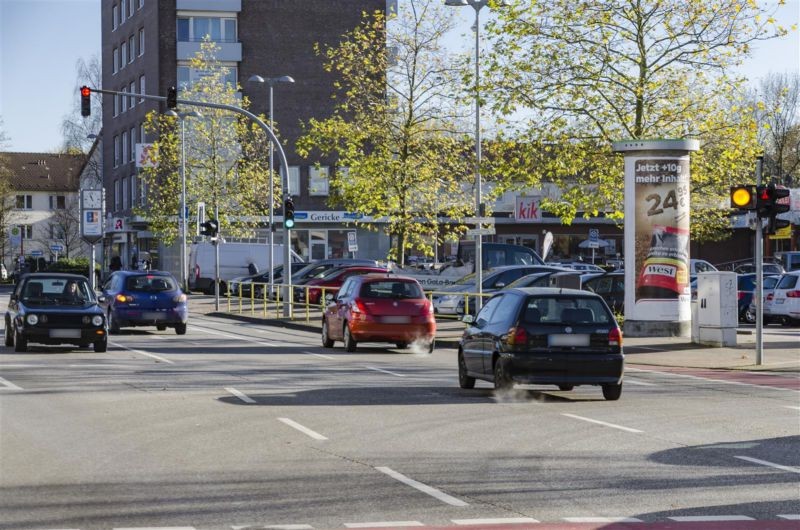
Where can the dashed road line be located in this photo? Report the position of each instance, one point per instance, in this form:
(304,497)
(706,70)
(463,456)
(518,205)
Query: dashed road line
(232,336)
(635,382)
(241,395)
(709,518)
(497,520)
(711,379)
(328,357)
(612,425)
(8,385)
(424,488)
(790,469)
(791,516)
(303,429)
(157,528)
(602,520)
(384,371)
(140,352)
(791,407)
(384,524)
(290,527)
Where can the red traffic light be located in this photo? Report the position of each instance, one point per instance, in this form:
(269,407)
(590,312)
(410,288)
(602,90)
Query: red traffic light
(86,101)
(86,91)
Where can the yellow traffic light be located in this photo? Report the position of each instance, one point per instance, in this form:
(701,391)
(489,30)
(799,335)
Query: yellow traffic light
(743,197)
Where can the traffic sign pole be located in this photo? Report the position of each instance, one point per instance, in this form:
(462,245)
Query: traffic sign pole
(759,276)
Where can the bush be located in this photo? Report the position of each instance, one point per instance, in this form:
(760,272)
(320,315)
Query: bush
(72,266)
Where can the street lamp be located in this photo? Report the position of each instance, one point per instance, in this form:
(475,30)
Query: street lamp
(182,213)
(477,5)
(287,269)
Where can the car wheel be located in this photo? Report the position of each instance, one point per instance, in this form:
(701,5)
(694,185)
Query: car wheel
(431,345)
(612,392)
(20,342)
(113,327)
(750,316)
(349,342)
(566,388)
(464,381)
(101,346)
(401,345)
(501,379)
(7,332)
(161,327)
(327,342)
(180,329)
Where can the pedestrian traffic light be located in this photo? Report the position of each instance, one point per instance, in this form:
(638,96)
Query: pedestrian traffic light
(743,197)
(209,228)
(172,97)
(86,101)
(288,213)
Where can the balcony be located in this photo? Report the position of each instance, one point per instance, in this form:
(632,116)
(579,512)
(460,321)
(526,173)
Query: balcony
(228,51)
(210,5)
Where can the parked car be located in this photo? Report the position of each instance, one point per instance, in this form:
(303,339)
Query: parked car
(543,336)
(769,284)
(333,280)
(537,279)
(790,261)
(144,298)
(3,272)
(379,308)
(260,278)
(700,265)
(783,303)
(610,286)
(746,286)
(583,267)
(767,268)
(53,308)
(318,268)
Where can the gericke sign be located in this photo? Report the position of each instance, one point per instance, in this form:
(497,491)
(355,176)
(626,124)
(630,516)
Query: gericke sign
(330,217)
(527,210)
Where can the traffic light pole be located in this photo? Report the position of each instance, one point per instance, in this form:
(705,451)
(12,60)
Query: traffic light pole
(759,257)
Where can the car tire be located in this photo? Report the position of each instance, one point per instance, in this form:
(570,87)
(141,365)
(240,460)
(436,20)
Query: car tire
(464,380)
(612,392)
(7,332)
(501,379)
(101,346)
(20,342)
(431,345)
(180,329)
(749,316)
(161,327)
(350,343)
(566,388)
(401,345)
(113,327)
(327,342)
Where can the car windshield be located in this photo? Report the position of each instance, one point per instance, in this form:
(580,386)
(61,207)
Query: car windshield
(391,289)
(57,291)
(150,283)
(566,310)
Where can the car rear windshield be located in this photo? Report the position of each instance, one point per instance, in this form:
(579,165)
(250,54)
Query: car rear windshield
(391,289)
(566,310)
(150,284)
(788,281)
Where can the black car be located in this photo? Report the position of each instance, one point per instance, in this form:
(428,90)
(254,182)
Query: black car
(53,308)
(543,336)
(609,285)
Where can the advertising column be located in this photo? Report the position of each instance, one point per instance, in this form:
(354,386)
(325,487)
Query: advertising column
(657,215)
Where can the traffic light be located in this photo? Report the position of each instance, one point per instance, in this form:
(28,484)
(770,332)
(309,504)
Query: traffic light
(86,101)
(209,228)
(172,97)
(288,213)
(776,208)
(743,197)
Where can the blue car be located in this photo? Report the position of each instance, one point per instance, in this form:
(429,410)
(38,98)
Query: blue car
(144,298)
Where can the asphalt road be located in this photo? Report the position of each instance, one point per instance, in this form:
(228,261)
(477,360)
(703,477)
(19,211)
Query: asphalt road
(236,425)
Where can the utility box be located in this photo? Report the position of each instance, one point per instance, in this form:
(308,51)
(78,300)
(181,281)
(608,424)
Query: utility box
(717,308)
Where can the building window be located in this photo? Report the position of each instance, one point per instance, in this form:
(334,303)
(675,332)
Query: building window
(116,60)
(141,88)
(318,180)
(56,231)
(141,42)
(188,76)
(142,192)
(114,16)
(123,10)
(132,90)
(133,144)
(24,202)
(116,105)
(131,8)
(58,202)
(116,195)
(123,59)
(141,132)
(26,231)
(133,190)
(294,180)
(195,29)
(116,151)
(124,192)
(123,99)
(125,147)
(141,4)
(131,48)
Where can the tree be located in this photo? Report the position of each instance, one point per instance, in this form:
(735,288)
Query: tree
(393,131)
(64,227)
(777,112)
(75,129)
(585,73)
(6,195)
(226,158)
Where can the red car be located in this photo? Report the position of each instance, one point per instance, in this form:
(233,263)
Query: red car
(333,278)
(379,308)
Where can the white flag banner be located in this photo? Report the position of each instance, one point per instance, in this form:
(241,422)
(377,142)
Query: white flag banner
(146,156)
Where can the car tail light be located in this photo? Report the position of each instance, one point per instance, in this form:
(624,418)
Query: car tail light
(123,298)
(181,298)
(427,308)
(739,295)
(770,296)
(517,336)
(359,307)
(196,271)
(793,294)
(615,337)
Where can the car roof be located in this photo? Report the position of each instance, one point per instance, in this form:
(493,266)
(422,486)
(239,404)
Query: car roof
(143,273)
(64,275)
(374,276)
(550,291)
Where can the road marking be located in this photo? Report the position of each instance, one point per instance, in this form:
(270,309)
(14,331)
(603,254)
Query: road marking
(499,520)
(602,520)
(157,528)
(791,517)
(791,407)
(8,384)
(288,527)
(710,518)
(770,464)
(231,336)
(433,492)
(634,382)
(740,383)
(384,524)
(140,352)
(612,425)
(384,371)
(304,430)
(240,395)
(320,355)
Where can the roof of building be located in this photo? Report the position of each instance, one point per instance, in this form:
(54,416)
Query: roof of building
(44,171)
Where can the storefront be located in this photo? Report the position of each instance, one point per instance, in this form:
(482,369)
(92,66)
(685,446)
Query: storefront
(323,235)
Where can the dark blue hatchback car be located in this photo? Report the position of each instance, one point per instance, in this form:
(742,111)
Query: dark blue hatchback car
(144,298)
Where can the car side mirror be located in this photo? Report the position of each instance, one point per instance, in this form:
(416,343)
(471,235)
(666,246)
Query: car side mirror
(467,319)
(102,299)
(330,297)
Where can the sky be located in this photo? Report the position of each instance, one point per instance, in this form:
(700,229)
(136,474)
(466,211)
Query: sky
(41,41)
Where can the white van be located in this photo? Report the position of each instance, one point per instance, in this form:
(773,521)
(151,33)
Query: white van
(234,261)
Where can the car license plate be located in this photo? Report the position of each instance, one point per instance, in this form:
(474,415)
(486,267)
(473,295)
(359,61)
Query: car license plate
(568,340)
(396,320)
(150,315)
(780,300)
(65,333)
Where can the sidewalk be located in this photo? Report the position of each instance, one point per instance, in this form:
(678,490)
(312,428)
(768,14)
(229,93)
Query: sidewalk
(781,352)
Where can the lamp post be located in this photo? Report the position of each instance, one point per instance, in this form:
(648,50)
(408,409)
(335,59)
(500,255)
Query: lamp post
(476,5)
(287,269)
(182,214)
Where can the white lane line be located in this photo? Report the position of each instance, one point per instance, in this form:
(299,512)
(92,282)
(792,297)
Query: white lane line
(602,520)
(635,382)
(384,371)
(384,524)
(232,336)
(140,352)
(301,428)
(9,385)
(710,518)
(320,355)
(499,520)
(791,407)
(790,469)
(241,395)
(424,488)
(157,528)
(288,527)
(722,381)
(790,516)
(612,425)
